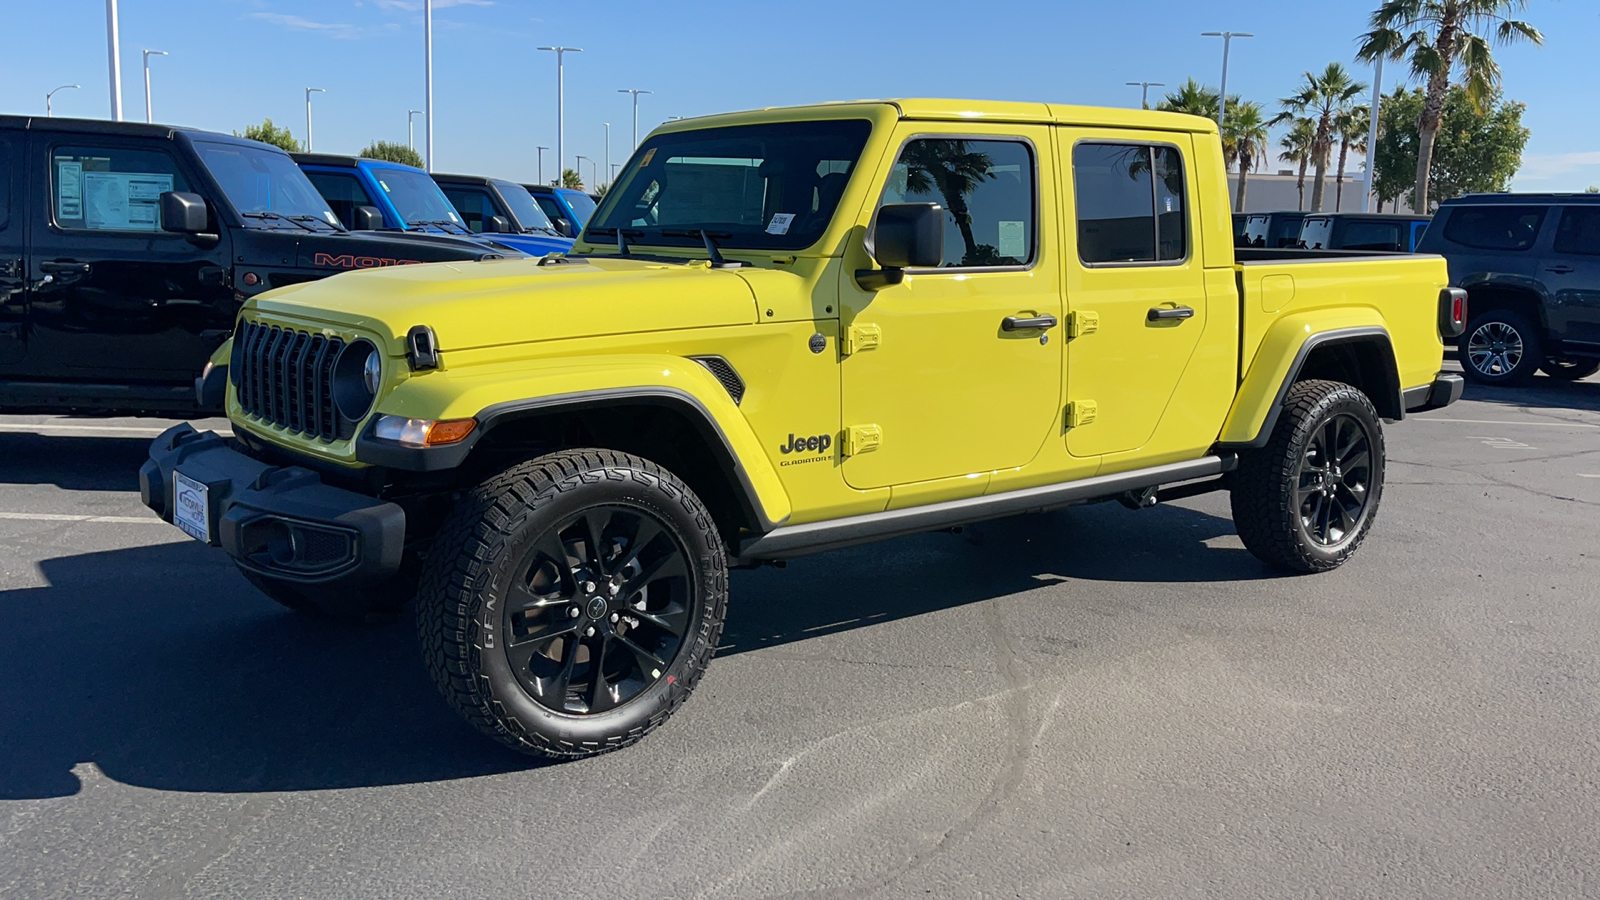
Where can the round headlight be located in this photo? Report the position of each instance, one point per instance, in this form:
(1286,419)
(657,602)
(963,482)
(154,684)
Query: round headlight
(355,379)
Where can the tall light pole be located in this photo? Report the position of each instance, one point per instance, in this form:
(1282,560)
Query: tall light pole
(541,162)
(1227,42)
(581,159)
(1144,93)
(113,51)
(147,55)
(52,93)
(427,77)
(309,92)
(561,105)
(635,94)
(614,168)
(1372,132)
(608,151)
(411,140)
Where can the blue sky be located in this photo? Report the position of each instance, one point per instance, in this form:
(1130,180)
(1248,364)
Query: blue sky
(235,62)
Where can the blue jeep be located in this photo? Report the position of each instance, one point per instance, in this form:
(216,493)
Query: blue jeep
(504,210)
(569,210)
(372,194)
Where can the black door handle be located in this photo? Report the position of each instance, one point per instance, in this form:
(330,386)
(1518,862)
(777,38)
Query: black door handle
(1021,323)
(1179,312)
(1560,270)
(64,267)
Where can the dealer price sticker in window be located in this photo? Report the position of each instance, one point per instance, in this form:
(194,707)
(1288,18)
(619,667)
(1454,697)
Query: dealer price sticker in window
(189,507)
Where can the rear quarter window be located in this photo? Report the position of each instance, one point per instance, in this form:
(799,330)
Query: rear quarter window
(1513,228)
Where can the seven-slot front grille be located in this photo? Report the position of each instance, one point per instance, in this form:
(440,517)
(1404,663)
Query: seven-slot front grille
(285,377)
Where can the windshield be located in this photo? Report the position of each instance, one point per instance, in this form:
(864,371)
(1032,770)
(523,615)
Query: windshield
(1317,234)
(528,214)
(257,180)
(768,187)
(415,196)
(582,204)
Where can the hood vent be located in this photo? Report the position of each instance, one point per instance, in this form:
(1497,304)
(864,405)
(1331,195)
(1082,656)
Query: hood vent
(725,373)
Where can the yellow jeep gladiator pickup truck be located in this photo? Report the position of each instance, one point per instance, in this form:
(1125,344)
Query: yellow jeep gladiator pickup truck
(786,331)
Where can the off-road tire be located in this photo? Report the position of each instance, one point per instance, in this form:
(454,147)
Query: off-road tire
(1269,506)
(1563,369)
(469,587)
(1501,323)
(371,604)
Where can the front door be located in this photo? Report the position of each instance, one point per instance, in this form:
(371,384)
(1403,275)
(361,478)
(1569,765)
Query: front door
(114,298)
(13,256)
(1573,276)
(933,373)
(1135,282)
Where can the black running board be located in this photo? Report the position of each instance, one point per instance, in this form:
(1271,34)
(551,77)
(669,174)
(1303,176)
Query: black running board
(816,537)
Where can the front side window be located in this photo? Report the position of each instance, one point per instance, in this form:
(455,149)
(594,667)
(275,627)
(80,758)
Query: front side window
(473,204)
(583,206)
(1130,203)
(758,187)
(1495,227)
(528,214)
(111,188)
(343,193)
(1579,231)
(416,197)
(258,181)
(986,188)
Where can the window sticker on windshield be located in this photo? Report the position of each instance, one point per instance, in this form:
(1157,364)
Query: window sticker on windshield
(780,223)
(1013,240)
(69,190)
(385,185)
(648,155)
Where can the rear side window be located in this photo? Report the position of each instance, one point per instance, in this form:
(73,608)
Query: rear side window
(986,189)
(1360,235)
(473,204)
(343,192)
(1495,227)
(111,188)
(1317,233)
(1579,231)
(1129,203)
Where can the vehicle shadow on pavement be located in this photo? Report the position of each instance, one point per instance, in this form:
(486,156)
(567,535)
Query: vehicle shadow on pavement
(1543,392)
(926,573)
(74,463)
(164,669)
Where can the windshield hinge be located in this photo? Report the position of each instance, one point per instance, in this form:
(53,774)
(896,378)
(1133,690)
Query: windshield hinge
(860,337)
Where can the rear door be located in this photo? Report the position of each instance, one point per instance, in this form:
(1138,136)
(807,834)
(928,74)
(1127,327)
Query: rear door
(13,253)
(1573,276)
(114,298)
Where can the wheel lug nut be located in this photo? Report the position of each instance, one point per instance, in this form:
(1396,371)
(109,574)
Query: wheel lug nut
(614,618)
(572,613)
(589,632)
(588,587)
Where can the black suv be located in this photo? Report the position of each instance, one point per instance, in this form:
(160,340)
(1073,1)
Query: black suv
(1530,264)
(126,250)
(1275,230)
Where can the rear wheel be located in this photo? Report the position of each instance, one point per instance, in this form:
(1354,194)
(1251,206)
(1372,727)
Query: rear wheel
(572,602)
(1500,347)
(1306,500)
(1565,369)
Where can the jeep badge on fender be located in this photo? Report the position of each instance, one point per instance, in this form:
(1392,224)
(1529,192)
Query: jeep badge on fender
(814,444)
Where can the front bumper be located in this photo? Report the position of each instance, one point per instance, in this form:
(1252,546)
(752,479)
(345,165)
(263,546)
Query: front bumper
(1445,390)
(278,521)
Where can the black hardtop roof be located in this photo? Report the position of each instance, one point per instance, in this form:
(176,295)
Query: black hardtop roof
(1345,214)
(132,129)
(1511,199)
(1278,212)
(324,159)
(466,179)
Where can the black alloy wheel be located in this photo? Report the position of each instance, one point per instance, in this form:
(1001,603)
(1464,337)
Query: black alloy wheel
(597,610)
(1335,477)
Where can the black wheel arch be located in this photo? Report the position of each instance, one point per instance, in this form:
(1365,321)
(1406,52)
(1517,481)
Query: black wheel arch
(1525,298)
(1361,357)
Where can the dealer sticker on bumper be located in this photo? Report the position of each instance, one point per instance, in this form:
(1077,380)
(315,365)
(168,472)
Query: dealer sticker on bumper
(189,508)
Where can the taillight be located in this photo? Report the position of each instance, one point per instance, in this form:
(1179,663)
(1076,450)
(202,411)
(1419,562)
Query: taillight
(1452,312)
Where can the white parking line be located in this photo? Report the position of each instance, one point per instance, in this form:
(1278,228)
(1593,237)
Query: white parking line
(137,430)
(1581,475)
(1504,422)
(59,517)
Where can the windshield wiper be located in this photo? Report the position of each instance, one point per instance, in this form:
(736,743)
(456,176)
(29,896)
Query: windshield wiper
(317,219)
(442,223)
(712,250)
(275,217)
(622,235)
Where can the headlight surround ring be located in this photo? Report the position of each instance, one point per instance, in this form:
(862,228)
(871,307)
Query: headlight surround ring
(353,383)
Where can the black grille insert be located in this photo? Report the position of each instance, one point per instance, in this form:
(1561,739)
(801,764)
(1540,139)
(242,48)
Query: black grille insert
(284,377)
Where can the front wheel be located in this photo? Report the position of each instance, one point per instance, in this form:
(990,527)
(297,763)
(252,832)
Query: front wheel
(572,602)
(1565,369)
(1306,500)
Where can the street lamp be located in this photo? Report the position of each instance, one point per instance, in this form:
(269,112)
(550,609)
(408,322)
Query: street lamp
(541,162)
(608,149)
(427,77)
(113,51)
(1227,40)
(147,55)
(561,104)
(581,159)
(1144,92)
(411,140)
(1372,131)
(635,94)
(309,92)
(614,168)
(52,93)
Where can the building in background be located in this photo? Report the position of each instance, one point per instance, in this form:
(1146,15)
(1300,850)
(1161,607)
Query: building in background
(1276,191)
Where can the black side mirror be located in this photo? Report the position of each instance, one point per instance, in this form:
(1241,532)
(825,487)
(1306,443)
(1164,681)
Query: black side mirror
(184,213)
(905,236)
(367,218)
(564,226)
(497,225)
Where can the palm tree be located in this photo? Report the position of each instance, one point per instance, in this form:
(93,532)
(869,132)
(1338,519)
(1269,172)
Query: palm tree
(1351,126)
(1295,147)
(1244,138)
(1436,34)
(571,179)
(1322,97)
(1193,98)
(954,171)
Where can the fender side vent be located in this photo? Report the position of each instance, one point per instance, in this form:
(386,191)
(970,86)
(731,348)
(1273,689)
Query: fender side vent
(724,372)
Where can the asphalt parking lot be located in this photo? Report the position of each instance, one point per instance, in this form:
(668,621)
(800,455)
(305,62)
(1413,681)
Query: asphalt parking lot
(1088,703)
